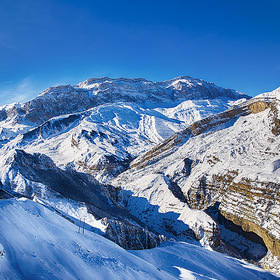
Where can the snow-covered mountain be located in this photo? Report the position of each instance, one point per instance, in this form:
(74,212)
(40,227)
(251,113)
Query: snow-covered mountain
(46,160)
(219,176)
(61,100)
(109,122)
(131,158)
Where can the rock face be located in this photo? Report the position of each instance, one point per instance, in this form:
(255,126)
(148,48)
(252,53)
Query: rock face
(131,237)
(259,212)
(230,159)
(253,205)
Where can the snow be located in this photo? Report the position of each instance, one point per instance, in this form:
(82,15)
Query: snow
(245,145)
(187,261)
(39,244)
(51,246)
(275,93)
(130,129)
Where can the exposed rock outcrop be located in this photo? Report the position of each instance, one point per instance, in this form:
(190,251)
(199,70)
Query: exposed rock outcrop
(253,205)
(131,237)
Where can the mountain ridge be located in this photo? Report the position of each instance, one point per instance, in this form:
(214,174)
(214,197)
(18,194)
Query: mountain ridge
(109,91)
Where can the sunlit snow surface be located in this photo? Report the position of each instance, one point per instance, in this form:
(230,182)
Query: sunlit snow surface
(119,129)
(37,243)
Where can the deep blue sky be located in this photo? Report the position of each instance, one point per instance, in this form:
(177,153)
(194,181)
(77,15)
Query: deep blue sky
(235,44)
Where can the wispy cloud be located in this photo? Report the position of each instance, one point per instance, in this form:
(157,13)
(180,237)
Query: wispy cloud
(17,92)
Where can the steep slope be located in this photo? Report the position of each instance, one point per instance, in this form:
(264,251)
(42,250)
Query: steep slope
(36,243)
(226,164)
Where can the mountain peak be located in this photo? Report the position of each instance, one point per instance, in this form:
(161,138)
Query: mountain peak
(66,99)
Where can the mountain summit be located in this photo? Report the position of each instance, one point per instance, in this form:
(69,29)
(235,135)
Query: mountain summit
(66,99)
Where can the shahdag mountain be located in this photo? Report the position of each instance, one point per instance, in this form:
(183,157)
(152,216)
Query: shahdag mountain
(133,179)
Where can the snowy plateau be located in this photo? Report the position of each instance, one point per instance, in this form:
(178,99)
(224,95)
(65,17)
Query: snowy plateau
(133,179)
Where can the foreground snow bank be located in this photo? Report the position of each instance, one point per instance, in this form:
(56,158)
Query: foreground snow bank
(36,243)
(187,261)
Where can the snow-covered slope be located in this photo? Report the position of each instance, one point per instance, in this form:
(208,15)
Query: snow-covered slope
(225,164)
(37,243)
(273,94)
